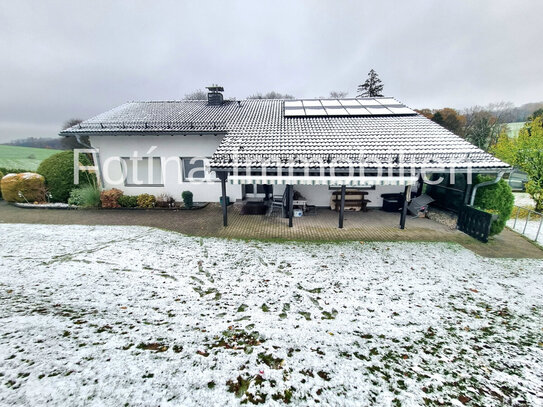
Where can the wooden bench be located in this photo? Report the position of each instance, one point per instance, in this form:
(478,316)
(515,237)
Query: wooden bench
(354,200)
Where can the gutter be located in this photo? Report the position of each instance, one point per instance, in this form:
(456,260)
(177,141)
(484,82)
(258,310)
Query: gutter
(485,184)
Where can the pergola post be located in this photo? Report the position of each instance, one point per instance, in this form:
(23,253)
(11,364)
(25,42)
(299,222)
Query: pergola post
(407,198)
(420,185)
(223,176)
(290,204)
(342,207)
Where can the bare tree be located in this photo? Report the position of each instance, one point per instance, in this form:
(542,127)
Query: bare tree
(198,94)
(485,124)
(270,95)
(71,142)
(70,123)
(373,86)
(338,94)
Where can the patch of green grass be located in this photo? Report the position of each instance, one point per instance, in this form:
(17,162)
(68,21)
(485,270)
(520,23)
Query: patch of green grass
(157,347)
(306,315)
(329,315)
(23,157)
(270,361)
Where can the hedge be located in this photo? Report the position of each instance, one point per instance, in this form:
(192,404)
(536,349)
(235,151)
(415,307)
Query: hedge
(58,171)
(497,198)
(128,201)
(6,170)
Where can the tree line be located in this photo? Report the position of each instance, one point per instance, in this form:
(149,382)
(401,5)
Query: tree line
(482,125)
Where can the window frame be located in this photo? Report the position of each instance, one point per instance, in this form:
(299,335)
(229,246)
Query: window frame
(207,174)
(124,168)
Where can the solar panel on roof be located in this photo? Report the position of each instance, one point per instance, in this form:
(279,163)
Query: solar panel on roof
(378,110)
(293,103)
(336,111)
(312,103)
(401,109)
(315,111)
(358,111)
(350,103)
(330,102)
(345,107)
(292,112)
(368,102)
(388,102)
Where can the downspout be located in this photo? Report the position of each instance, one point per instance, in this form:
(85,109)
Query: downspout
(78,138)
(97,157)
(484,184)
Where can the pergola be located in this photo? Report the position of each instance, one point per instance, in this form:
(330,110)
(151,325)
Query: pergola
(341,182)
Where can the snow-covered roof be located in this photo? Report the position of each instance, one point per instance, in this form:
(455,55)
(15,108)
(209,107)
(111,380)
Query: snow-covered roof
(257,130)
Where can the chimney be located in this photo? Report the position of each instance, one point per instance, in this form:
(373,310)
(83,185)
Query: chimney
(214,96)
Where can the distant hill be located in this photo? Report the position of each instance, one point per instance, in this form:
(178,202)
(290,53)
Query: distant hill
(26,158)
(56,143)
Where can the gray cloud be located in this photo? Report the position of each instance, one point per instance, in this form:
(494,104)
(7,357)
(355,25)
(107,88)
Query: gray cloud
(77,59)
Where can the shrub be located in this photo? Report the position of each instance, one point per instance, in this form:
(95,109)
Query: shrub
(187,199)
(90,196)
(146,201)
(87,197)
(6,170)
(110,198)
(75,197)
(497,199)
(127,201)
(24,187)
(58,171)
(164,201)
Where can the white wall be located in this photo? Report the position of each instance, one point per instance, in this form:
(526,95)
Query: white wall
(320,195)
(170,149)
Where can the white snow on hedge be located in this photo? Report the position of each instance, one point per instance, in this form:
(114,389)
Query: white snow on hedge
(115,315)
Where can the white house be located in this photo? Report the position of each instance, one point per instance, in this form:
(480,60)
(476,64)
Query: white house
(318,145)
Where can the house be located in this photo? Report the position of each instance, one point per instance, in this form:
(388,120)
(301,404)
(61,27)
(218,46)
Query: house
(258,148)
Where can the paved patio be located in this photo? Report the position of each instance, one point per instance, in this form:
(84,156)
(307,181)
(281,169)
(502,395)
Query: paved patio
(374,225)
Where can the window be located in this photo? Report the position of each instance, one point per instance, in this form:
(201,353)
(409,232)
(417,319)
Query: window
(142,171)
(250,189)
(194,170)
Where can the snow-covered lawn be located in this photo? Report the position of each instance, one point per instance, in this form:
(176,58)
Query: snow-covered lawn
(115,315)
(524,200)
(529,230)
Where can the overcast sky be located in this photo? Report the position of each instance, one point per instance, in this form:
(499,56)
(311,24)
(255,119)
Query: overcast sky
(64,59)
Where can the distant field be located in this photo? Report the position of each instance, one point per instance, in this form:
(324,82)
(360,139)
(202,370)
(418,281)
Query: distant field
(26,158)
(514,128)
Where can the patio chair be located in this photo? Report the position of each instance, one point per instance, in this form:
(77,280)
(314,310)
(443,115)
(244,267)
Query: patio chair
(278,201)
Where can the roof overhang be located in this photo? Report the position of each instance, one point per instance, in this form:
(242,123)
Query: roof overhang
(149,133)
(330,181)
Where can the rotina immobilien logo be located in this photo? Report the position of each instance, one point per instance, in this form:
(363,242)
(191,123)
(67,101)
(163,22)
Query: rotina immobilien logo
(138,169)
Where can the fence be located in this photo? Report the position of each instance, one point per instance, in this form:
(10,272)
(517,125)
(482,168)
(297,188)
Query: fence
(527,222)
(475,223)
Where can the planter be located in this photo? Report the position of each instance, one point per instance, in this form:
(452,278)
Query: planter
(44,206)
(227,200)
